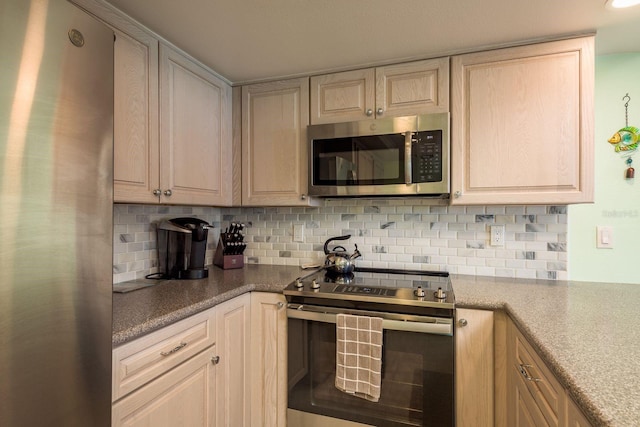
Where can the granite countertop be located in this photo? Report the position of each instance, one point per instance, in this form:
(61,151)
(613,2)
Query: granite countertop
(139,312)
(586,332)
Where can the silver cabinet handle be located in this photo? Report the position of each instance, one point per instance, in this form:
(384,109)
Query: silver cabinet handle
(173,350)
(280,304)
(157,192)
(369,112)
(523,370)
(379,111)
(215,360)
(457,194)
(303,197)
(463,322)
(168,193)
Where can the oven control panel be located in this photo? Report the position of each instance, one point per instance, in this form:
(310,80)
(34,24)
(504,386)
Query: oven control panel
(367,290)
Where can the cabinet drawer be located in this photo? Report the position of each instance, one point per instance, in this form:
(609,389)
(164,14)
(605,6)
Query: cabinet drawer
(545,391)
(182,397)
(148,357)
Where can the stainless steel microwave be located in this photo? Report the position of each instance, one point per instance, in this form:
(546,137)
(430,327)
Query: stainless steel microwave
(395,156)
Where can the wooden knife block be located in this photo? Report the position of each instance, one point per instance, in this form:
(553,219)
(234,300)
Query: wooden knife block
(227,262)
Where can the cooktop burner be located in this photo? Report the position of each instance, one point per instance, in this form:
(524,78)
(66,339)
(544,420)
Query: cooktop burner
(374,286)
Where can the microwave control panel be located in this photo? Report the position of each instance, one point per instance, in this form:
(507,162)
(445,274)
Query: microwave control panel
(426,156)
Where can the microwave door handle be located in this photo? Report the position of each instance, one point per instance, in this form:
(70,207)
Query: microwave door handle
(407,157)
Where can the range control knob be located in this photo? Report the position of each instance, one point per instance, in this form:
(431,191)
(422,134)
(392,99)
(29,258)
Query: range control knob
(419,292)
(315,285)
(440,294)
(299,284)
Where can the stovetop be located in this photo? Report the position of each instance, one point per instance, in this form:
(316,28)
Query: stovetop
(376,286)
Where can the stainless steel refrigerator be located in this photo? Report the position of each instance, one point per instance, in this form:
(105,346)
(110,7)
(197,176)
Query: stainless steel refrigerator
(56,162)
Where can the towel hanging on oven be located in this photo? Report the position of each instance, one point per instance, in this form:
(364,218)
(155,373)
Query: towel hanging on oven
(359,355)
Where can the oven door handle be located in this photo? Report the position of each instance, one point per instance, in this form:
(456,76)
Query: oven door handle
(420,324)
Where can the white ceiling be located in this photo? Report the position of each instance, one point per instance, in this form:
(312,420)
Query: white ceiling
(253,40)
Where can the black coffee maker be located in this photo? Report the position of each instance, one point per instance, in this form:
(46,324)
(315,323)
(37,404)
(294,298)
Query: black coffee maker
(182,243)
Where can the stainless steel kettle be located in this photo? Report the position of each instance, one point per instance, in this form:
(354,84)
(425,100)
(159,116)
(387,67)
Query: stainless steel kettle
(338,260)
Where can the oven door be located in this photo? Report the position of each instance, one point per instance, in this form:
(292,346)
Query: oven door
(417,386)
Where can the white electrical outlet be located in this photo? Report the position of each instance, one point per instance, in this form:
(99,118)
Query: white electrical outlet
(497,235)
(298,232)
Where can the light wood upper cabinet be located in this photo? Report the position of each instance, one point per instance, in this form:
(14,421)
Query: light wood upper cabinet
(343,97)
(396,90)
(268,360)
(474,336)
(172,120)
(195,136)
(136,141)
(136,149)
(522,124)
(274,145)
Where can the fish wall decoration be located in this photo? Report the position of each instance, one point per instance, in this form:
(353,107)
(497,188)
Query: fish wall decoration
(626,140)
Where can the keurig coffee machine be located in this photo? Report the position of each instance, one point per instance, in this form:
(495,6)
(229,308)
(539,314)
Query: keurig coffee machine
(182,243)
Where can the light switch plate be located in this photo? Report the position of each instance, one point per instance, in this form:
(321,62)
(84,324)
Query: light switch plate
(298,232)
(604,237)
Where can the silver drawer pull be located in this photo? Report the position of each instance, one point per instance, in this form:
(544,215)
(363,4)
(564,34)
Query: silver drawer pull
(523,370)
(173,350)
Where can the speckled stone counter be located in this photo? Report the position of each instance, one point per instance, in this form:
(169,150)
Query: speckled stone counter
(139,312)
(588,333)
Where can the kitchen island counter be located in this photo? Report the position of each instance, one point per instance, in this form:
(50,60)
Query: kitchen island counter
(586,332)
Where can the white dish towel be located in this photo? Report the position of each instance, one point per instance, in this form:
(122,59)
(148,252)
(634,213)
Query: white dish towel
(359,355)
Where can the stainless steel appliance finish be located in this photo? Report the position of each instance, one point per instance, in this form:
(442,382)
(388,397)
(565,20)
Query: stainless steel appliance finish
(396,156)
(417,309)
(56,232)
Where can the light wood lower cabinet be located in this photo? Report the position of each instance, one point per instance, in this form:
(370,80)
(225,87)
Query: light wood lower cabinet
(536,398)
(268,360)
(181,397)
(225,367)
(233,347)
(575,417)
(168,377)
(474,335)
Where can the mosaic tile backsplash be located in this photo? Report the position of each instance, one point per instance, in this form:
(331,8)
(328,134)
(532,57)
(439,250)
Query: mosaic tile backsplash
(413,234)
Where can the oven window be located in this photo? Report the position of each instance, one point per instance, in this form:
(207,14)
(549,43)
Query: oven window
(417,378)
(366,160)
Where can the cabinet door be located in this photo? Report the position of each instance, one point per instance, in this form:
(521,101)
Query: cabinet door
(195,133)
(136,146)
(274,144)
(136,149)
(343,97)
(184,396)
(575,417)
(536,393)
(268,359)
(233,386)
(474,368)
(420,87)
(522,124)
